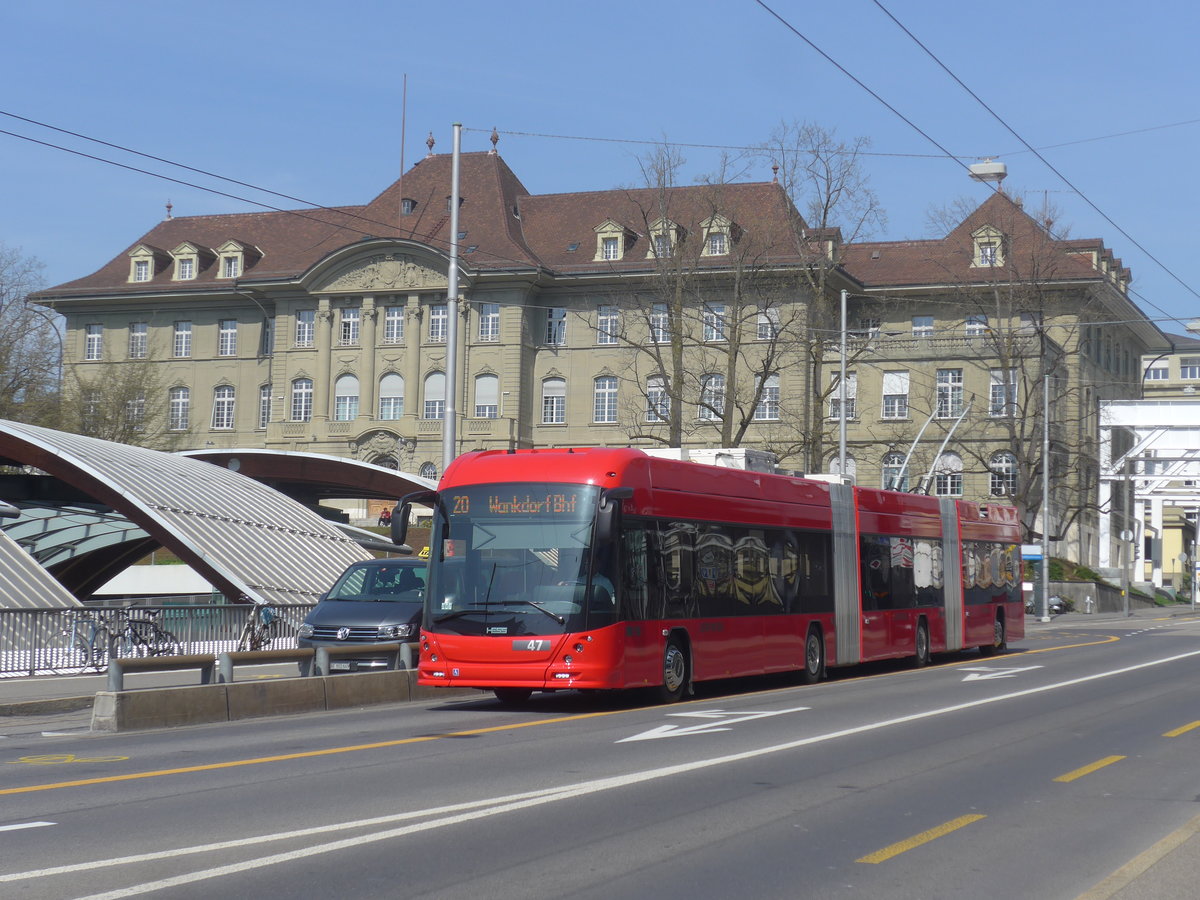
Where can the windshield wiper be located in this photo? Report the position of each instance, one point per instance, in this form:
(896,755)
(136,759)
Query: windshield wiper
(555,616)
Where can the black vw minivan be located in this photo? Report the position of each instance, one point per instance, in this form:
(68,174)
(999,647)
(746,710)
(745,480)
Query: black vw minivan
(374,601)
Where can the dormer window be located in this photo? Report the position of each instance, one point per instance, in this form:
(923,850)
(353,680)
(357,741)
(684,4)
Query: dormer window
(719,235)
(988,247)
(665,235)
(234,258)
(189,258)
(612,240)
(408,206)
(145,262)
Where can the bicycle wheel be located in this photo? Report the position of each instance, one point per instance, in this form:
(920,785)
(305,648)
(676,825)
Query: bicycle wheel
(98,649)
(163,643)
(68,652)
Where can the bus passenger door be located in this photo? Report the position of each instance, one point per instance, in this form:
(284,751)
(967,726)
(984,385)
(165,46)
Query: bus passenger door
(876,599)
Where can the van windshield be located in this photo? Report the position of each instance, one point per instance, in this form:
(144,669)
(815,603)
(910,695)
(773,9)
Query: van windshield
(516,562)
(384,584)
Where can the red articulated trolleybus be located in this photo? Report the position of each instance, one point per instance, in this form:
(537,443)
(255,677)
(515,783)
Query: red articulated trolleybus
(585,569)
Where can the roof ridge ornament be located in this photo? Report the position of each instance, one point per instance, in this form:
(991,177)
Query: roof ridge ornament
(495,139)
(429,142)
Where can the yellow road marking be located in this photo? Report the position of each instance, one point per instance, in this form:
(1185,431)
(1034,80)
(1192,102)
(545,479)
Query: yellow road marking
(918,839)
(1089,768)
(307,754)
(1184,729)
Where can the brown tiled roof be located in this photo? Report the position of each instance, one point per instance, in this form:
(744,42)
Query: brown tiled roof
(1030,252)
(506,227)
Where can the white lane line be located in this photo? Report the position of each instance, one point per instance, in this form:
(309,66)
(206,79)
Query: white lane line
(490,807)
(20,825)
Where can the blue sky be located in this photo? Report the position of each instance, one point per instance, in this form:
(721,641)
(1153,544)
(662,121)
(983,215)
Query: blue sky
(305,98)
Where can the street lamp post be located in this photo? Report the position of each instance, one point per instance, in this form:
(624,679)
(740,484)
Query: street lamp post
(842,398)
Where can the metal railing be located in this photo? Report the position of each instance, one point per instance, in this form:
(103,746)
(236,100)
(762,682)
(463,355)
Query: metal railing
(81,639)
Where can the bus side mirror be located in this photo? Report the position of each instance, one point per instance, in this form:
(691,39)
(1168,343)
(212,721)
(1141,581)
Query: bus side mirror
(403,510)
(606,515)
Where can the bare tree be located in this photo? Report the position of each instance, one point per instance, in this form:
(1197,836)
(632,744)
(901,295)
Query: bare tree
(124,403)
(30,343)
(826,179)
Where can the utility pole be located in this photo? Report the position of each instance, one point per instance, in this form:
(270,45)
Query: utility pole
(450,420)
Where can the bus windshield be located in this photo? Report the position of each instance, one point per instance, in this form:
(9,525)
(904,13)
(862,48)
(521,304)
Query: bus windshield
(513,559)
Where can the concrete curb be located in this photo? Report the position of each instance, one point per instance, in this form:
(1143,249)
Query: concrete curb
(46,707)
(170,707)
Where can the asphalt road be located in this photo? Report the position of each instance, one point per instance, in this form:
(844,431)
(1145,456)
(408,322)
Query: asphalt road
(1036,774)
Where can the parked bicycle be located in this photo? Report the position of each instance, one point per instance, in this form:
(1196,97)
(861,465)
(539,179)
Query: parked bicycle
(262,627)
(136,633)
(82,644)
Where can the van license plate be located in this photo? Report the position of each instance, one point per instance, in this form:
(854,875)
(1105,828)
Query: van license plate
(339,667)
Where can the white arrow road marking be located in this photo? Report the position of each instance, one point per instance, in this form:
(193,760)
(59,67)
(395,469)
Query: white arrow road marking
(21,825)
(981,673)
(726,719)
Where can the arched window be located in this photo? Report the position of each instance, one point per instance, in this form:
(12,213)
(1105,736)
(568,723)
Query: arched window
(428,470)
(302,400)
(835,466)
(222,412)
(178,409)
(658,401)
(1003,474)
(487,396)
(345,398)
(391,397)
(554,401)
(893,480)
(712,397)
(947,475)
(604,399)
(435,396)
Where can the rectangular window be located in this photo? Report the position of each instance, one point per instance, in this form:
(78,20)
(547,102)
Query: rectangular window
(182,346)
(302,399)
(268,337)
(1189,367)
(489,322)
(948,484)
(141,270)
(487,396)
(1002,398)
(93,341)
(610,248)
(607,322)
(264,406)
(393,325)
(138,340)
(922,326)
(438,325)
(714,322)
(135,412)
(662,246)
(230,267)
(716,243)
(988,254)
(659,324)
(348,333)
(554,401)
(305,327)
(895,395)
(435,409)
(1158,372)
(768,401)
(187,269)
(345,408)
(949,393)
(556,327)
(868,329)
(835,396)
(976,326)
(227,338)
(768,324)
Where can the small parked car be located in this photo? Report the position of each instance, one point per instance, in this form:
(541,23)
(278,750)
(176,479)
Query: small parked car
(374,601)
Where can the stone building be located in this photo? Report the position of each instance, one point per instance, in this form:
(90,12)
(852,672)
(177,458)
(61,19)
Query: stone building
(680,316)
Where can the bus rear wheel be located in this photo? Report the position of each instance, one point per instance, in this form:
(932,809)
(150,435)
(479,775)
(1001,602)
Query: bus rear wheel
(999,639)
(675,672)
(921,647)
(512,696)
(814,657)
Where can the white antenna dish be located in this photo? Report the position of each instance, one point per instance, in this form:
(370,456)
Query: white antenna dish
(988,170)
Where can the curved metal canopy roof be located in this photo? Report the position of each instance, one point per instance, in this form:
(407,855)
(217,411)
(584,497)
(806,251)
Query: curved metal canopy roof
(240,534)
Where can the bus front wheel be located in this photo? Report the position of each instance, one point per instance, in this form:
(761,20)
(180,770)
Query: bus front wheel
(675,672)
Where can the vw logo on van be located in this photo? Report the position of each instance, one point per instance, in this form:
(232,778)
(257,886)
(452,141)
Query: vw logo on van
(343,633)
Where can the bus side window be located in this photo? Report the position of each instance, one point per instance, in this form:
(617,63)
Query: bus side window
(637,581)
(676,552)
